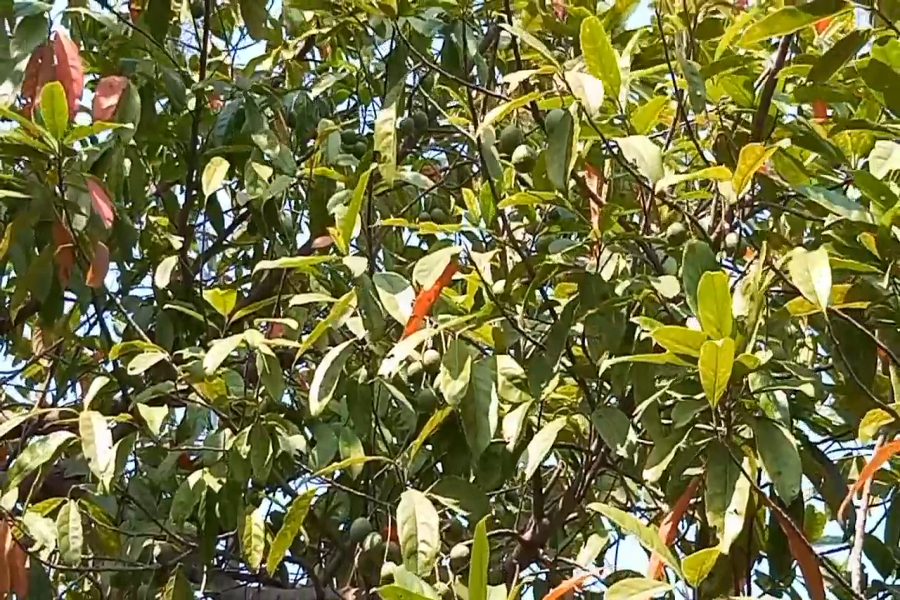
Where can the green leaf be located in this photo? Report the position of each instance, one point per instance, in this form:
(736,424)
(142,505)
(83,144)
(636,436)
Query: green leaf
(599,56)
(540,446)
(846,49)
(499,112)
(219,350)
(696,85)
(751,160)
(714,304)
(781,458)
(559,152)
(222,301)
(396,592)
(429,268)
(38,451)
(662,454)
(396,295)
(144,361)
(698,565)
(153,416)
(811,273)
(327,375)
(253,538)
(178,587)
(351,448)
(386,134)
(96,386)
(646,117)
(260,451)
(679,340)
(418,527)
(213,175)
(636,589)
(837,203)
(187,496)
(613,426)
(736,513)
(71,533)
(531,41)
(716,362)
(271,373)
(696,260)
(645,155)
(715,173)
(347,221)
(54,109)
(461,496)
(478,566)
(648,536)
(163,274)
(588,89)
(97,441)
(792,18)
(479,410)
(872,423)
(302,263)
(884,158)
(455,372)
(255,15)
(434,421)
(721,477)
(290,529)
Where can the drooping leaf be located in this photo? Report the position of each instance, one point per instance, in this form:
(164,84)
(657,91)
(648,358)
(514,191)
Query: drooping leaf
(426,298)
(679,340)
(540,446)
(645,155)
(571,585)
(348,220)
(802,552)
(290,529)
(99,266)
(599,56)
(751,160)
(101,201)
(418,527)
(714,304)
(213,175)
(38,451)
(107,94)
(327,377)
(558,155)
(781,458)
(647,535)
(837,56)
(668,529)
(386,134)
(253,538)
(699,565)
(71,533)
(811,273)
(97,441)
(880,457)
(69,69)
(716,363)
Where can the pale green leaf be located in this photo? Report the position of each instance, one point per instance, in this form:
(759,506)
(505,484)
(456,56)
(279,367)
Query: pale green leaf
(71,533)
(714,304)
(418,527)
(645,155)
(290,529)
(347,222)
(647,535)
(697,566)
(327,375)
(792,18)
(54,109)
(213,175)
(636,589)
(540,446)
(781,458)
(599,56)
(253,538)
(811,273)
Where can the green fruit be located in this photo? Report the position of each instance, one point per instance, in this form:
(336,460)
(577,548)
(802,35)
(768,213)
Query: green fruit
(553,119)
(360,529)
(438,215)
(393,552)
(415,370)
(420,121)
(387,572)
(432,360)
(543,243)
(407,126)
(359,149)
(426,399)
(373,542)
(510,138)
(459,557)
(424,216)
(676,233)
(348,137)
(732,241)
(524,158)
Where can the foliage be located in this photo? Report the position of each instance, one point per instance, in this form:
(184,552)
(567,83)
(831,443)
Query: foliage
(515,289)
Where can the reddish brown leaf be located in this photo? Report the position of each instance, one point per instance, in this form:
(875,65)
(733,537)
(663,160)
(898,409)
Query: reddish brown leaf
(595,181)
(215,101)
(69,70)
(99,266)
(820,110)
(135,8)
(101,202)
(274,331)
(801,551)
(822,25)
(740,5)
(431,172)
(571,585)
(559,7)
(38,72)
(107,95)
(881,456)
(669,527)
(426,299)
(64,255)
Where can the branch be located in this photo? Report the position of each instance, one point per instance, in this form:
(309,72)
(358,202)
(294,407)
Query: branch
(859,535)
(765,100)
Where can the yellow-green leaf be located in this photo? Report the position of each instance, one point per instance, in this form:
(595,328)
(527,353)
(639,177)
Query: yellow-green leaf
(716,362)
(714,304)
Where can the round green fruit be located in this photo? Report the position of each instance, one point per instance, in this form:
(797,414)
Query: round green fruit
(524,158)
(360,529)
(553,118)
(359,149)
(407,126)
(426,399)
(420,121)
(432,360)
(373,542)
(349,137)
(438,215)
(510,138)
(732,241)
(459,557)
(415,370)
(676,233)
(393,552)
(424,216)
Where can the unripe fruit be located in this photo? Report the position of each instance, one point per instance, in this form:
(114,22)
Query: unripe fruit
(407,127)
(432,360)
(359,149)
(387,572)
(373,542)
(438,215)
(459,557)
(676,233)
(424,216)
(360,529)
(420,121)
(510,138)
(553,118)
(426,400)
(524,158)
(415,370)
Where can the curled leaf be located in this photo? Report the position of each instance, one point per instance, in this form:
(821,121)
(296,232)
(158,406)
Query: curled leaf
(669,527)
(426,299)
(101,202)
(69,70)
(99,266)
(106,97)
(881,456)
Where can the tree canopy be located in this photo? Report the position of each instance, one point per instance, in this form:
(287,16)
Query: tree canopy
(435,300)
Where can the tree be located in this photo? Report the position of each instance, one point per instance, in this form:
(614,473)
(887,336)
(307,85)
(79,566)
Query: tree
(448,299)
